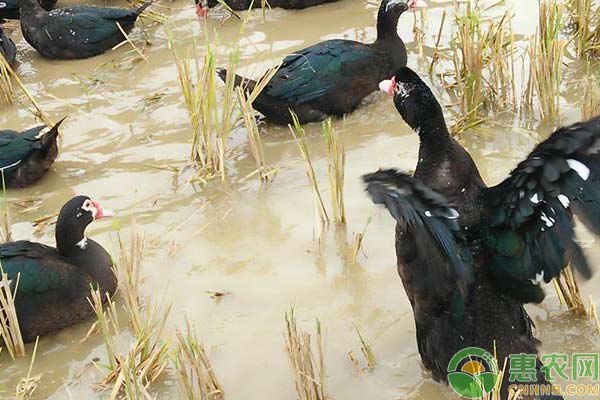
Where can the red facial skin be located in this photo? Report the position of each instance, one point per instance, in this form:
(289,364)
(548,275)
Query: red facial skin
(101,212)
(201,12)
(392,87)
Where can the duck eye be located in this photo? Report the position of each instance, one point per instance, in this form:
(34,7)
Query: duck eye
(88,206)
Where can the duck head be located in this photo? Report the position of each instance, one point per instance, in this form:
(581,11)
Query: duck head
(73,219)
(402,5)
(388,14)
(414,101)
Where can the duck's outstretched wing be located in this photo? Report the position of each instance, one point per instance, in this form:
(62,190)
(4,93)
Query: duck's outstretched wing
(433,224)
(530,234)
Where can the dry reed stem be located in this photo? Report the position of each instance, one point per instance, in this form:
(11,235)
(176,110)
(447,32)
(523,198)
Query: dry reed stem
(7,75)
(308,370)
(265,172)
(26,387)
(211,128)
(129,375)
(128,40)
(254,140)
(5,226)
(545,52)
(483,58)
(436,54)
(107,323)
(196,379)
(300,136)
(568,292)
(593,314)
(6,87)
(585,22)
(469,56)
(367,352)
(152,15)
(10,332)
(128,272)
(336,160)
(590,104)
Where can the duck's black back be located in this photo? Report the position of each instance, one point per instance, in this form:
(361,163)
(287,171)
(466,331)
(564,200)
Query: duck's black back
(328,78)
(75,32)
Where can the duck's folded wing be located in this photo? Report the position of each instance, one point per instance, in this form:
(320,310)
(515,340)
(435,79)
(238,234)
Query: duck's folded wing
(433,225)
(530,230)
(310,74)
(89,24)
(38,268)
(15,147)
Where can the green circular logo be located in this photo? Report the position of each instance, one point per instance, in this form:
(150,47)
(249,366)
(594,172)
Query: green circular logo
(472,372)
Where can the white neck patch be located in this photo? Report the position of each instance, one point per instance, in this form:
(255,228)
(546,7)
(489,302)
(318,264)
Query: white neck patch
(82,244)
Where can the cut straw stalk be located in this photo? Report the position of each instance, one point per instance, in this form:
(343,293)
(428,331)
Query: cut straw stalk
(129,375)
(469,56)
(10,332)
(151,15)
(308,370)
(5,226)
(300,136)
(265,172)
(210,127)
(6,86)
(128,272)
(358,241)
(483,58)
(336,152)
(590,87)
(585,21)
(568,292)
(26,387)
(8,75)
(196,379)
(593,315)
(367,352)
(128,40)
(545,52)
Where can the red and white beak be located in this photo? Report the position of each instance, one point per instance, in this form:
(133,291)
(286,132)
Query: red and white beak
(388,86)
(98,212)
(414,5)
(201,11)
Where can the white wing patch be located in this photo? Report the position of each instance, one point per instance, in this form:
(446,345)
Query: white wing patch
(11,165)
(539,277)
(82,244)
(564,200)
(582,170)
(548,220)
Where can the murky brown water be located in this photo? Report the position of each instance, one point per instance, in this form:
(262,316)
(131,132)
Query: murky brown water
(259,242)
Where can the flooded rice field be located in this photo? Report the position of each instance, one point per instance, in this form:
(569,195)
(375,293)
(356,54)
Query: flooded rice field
(234,256)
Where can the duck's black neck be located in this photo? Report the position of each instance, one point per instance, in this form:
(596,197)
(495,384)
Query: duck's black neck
(434,137)
(387,37)
(86,254)
(387,24)
(70,238)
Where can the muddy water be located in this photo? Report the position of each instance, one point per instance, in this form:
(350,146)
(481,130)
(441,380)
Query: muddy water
(254,242)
